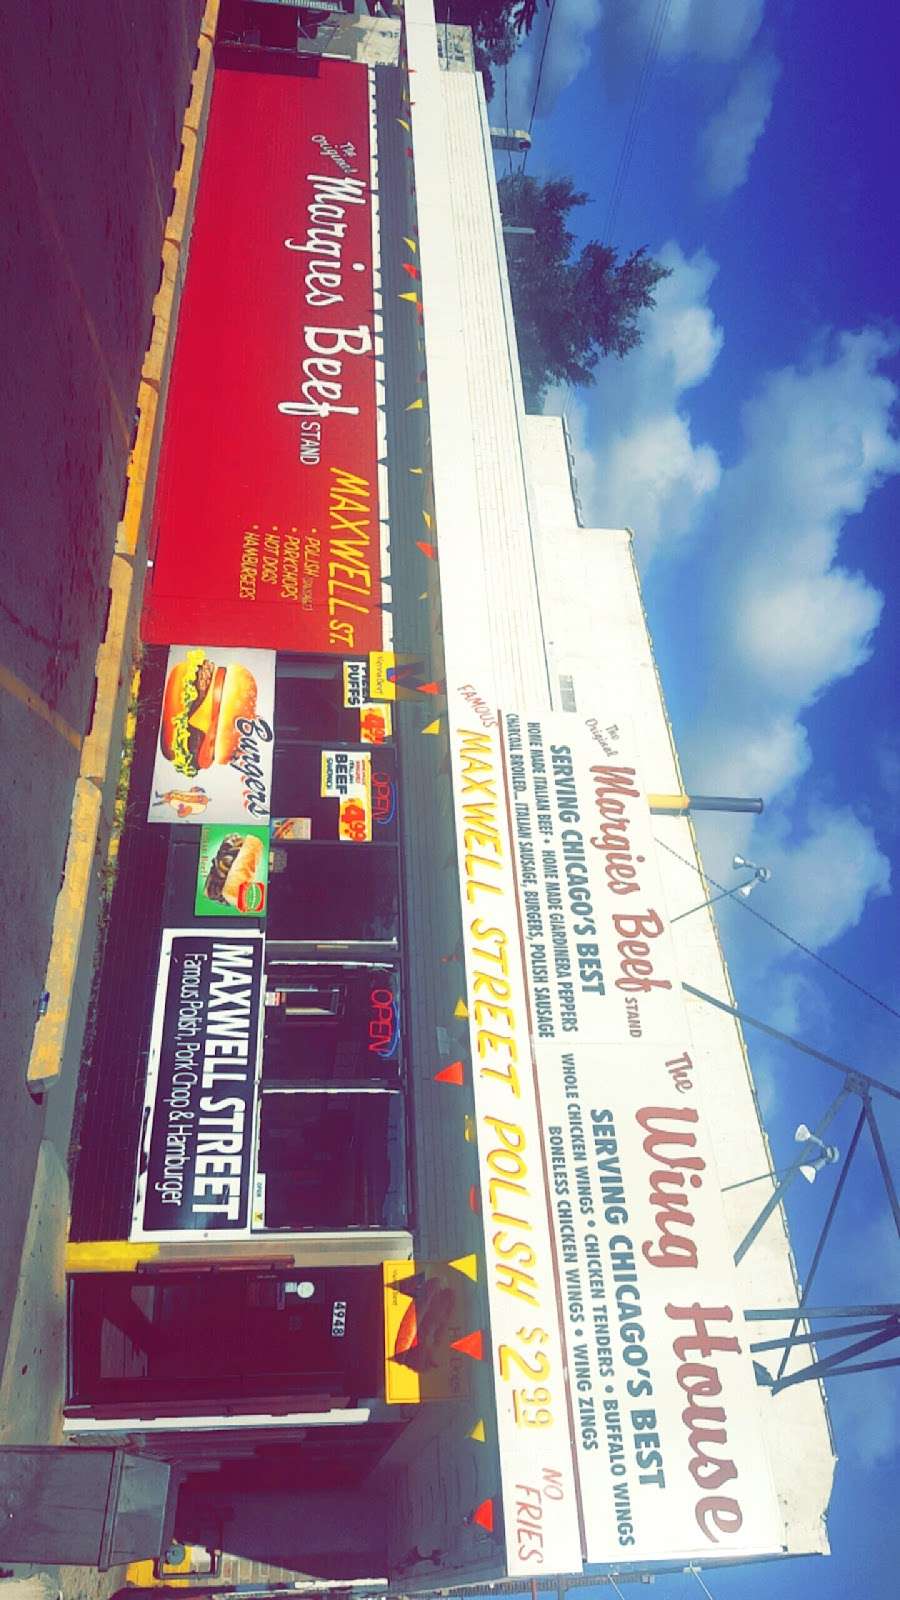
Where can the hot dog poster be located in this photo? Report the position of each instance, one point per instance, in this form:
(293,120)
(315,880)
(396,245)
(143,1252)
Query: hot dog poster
(216,736)
(232,872)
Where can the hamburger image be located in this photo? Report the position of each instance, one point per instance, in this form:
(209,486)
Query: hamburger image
(201,705)
(232,877)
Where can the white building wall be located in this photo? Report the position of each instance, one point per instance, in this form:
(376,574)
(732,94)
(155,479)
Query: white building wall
(597,634)
(528,596)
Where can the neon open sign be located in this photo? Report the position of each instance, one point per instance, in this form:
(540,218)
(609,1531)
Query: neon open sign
(384,1024)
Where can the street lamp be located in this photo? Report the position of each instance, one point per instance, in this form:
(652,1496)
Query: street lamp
(745,889)
(827,1155)
(760,875)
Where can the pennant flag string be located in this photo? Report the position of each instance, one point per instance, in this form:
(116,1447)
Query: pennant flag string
(483,1515)
(467,1265)
(455,1073)
(471,1344)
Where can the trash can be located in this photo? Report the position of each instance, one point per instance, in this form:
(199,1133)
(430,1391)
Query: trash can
(71,1506)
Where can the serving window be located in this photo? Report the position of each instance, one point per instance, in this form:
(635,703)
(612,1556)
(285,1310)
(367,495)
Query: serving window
(334,893)
(331,1159)
(330,1025)
(315,782)
(328,699)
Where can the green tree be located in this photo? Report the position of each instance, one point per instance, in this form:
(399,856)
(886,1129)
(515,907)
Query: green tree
(569,309)
(497,26)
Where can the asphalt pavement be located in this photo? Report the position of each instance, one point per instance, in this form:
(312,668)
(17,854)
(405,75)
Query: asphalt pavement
(92,98)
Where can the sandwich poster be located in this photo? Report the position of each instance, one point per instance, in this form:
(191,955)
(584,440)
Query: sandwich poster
(214,752)
(233,872)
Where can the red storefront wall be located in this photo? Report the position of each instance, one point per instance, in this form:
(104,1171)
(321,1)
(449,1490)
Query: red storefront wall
(266,524)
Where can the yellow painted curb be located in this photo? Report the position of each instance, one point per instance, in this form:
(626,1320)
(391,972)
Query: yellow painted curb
(95,751)
(177,218)
(154,360)
(109,1255)
(68,925)
(210,19)
(194,114)
(129,529)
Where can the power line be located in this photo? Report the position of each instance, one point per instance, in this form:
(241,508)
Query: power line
(798,943)
(637,106)
(540,74)
(695,1573)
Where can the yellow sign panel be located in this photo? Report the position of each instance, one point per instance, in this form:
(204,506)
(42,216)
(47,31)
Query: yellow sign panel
(381,686)
(375,722)
(355,817)
(401,1383)
(427,1310)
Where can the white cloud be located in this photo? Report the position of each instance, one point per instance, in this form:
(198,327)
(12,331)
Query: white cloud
(866,1409)
(655,476)
(708,29)
(826,866)
(617,33)
(568,48)
(732,134)
(568,53)
(647,473)
(784,617)
(822,880)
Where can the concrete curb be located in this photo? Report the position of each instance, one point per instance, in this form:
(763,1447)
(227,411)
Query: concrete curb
(93,809)
(51,1030)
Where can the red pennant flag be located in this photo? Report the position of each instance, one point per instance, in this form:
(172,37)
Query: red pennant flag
(483,1515)
(474,1199)
(428,688)
(455,1073)
(472,1344)
(427,549)
(410,269)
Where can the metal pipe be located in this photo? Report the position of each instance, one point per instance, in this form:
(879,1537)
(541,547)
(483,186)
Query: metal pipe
(663,805)
(787,1038)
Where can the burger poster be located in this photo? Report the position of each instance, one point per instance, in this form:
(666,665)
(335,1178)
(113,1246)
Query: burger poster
(214,755)
(233,872)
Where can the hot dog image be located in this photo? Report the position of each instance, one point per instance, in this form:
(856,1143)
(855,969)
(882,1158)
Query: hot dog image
(234,867)
(184,802)
(201,707)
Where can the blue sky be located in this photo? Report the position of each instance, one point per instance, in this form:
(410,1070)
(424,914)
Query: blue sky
(752,443)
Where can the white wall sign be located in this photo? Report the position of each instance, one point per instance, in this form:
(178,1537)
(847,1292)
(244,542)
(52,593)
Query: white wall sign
(538,1479)
(671,1459)
(600,956)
